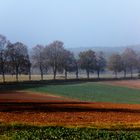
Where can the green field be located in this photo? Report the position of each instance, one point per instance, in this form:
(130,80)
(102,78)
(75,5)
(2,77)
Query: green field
(93,91)
(23,132)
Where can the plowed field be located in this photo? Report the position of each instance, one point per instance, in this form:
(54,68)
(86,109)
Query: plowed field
(55,110)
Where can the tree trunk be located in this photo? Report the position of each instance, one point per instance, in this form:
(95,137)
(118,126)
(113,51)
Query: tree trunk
(131,72)
(3,76)
(41,72)
(29,74)
(87,74)
(17,73)
(65,74)
(17,77)
(77,72)
(3,73)
(124,73)
(98,72)
(54,74)
(41,75)
(139,74)
(116,74)
(30,77)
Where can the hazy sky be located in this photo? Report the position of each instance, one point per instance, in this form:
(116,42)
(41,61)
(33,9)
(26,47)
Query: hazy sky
(75,22)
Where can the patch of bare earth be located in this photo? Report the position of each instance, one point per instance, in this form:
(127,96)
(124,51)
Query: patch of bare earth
(125,83)
(49,110)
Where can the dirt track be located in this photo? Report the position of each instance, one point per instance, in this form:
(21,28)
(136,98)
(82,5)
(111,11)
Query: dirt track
(50,110)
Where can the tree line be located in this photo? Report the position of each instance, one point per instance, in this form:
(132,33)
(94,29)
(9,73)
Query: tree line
(16,60)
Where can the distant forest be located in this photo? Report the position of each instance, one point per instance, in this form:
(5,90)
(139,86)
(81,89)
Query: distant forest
(55,58)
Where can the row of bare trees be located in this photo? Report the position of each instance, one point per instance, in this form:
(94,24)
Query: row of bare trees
(55,57)
(15,60)
(128,61)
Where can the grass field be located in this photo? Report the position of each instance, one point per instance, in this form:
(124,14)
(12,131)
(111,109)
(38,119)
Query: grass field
(96,92)
(24,132)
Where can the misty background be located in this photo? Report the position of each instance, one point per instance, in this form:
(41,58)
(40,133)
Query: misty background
(79,24)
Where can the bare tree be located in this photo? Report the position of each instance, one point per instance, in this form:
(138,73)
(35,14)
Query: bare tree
(26,66)
(3,43)
(76,68)
(129,58)
(115,63)
(55,56)
(69,63)
(100,63)
(38,59)
(87,61)
(17,54)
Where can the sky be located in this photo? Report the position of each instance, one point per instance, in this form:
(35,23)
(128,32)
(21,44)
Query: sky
(78,23)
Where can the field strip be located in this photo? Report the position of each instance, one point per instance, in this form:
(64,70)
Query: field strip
(100,120)
(42,94)
(106,126)
(70,114)
(134,84)
(47,94)
(29,96)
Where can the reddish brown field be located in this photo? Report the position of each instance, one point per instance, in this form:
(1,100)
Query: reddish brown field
(125,83)
(54,110)
(22,97)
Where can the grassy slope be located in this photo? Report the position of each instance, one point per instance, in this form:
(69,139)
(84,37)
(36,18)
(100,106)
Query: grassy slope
(94,92)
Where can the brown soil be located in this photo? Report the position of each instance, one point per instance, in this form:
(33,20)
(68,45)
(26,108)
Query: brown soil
(125,83)
(21,96)
(54,110)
